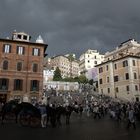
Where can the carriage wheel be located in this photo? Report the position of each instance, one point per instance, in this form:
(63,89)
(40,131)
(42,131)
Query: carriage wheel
(9,117)
(24,120)
(34,121)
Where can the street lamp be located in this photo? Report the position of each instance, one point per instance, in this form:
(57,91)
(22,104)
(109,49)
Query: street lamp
(66,86)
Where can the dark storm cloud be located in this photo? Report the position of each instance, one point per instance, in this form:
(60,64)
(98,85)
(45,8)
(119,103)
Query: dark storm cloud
(72,26)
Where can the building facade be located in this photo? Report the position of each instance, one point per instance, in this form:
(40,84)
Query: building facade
(61,86)
(21,70)
(119,74)
(88,61)
(48,75)
(67,67)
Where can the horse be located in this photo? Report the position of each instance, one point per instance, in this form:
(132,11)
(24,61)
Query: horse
(64,111)
(29,115)
(26,113)
(68,110)
(10,109)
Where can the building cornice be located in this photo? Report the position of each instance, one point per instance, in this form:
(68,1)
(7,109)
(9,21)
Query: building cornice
(113,60)
(23,42)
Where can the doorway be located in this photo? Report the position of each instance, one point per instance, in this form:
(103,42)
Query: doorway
(3,98)
(137,99)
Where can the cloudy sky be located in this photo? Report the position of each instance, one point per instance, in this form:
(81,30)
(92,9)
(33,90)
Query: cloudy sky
(73,26)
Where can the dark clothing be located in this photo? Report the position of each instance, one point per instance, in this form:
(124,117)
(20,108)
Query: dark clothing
(53,116)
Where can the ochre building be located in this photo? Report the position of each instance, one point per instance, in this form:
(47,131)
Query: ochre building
(21,68)
(119,74)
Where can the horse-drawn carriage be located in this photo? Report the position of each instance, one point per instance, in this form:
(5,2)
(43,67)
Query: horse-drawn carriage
(24,113)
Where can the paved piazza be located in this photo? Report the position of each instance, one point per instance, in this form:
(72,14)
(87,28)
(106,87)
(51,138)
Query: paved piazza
(85,128)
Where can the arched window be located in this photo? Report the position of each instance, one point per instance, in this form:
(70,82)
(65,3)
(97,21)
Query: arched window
(5,65)
(19,66)
(35,67)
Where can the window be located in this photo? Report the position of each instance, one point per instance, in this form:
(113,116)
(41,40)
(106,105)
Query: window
(35,67)
(19,66)
(127,76)
(127,88)
(117,89)
(88,61)
(108,90)
(125,63)
(101,70)
(36,52)
(134,63)
(116,78)
(95,62)
(136,87)
(5,65)
(115,66)
(107,79)
(18,84)
(137,99)
(106,67)
(102,91)
(25,37)
(135,75)
(19,36)
(20,50)
(101,81)
(95,57)
(4,83)
(34,85)
(6,48)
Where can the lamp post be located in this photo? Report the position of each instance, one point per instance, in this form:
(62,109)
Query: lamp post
(66,86)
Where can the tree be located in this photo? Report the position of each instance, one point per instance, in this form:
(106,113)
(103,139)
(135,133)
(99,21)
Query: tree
(91,81)
(57,75)
(71,57)
(83,79)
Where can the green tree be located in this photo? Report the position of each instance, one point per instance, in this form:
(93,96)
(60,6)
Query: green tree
(91,81)
(57,75)
(70,57)
(69,79)
(83,79)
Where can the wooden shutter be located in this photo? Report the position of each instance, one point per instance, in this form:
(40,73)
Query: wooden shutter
(38,52)
(3,48)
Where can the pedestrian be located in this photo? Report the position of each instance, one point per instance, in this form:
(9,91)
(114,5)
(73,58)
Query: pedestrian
(53,115)
(131,119)
(80,110)
(43,113)
(96,112)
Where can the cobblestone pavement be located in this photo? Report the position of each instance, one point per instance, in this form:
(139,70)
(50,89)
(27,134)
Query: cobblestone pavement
(85,128)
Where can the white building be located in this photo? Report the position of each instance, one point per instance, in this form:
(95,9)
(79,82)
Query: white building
(88,60)
(61,86)
(48,75)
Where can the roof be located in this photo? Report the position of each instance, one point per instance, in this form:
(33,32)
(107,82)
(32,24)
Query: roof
(113,60)
(23,42)
(26,43)
(58,56)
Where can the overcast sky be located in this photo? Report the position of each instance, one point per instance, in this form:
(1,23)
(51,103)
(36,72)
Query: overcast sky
(73,26)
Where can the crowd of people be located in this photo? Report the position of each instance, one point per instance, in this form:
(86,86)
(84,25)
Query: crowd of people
(90,104)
